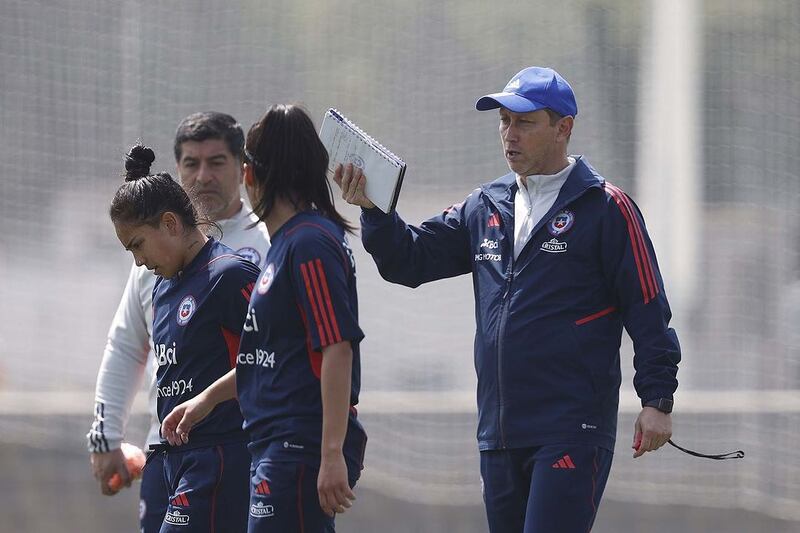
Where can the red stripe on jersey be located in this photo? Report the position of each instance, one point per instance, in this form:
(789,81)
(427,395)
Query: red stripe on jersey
(314,358)
(648,265)
(248,291)
(323,312)
(232,342)
(337,336)
(634,235)
(568,459)
(312,301)
(604,312)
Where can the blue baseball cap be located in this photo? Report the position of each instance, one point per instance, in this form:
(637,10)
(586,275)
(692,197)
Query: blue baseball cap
(532,89)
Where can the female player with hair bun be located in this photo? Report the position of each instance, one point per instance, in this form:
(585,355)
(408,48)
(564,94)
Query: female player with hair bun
(200,303)
(298,371)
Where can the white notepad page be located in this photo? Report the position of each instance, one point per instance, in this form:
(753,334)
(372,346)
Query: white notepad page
(347,143)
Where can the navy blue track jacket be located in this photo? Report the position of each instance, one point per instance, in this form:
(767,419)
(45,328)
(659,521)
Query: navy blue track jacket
(549,324)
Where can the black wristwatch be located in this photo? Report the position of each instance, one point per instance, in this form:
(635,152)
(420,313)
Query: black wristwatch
(662,404)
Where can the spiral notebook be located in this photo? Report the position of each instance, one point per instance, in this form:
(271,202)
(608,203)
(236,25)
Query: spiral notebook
(347,143)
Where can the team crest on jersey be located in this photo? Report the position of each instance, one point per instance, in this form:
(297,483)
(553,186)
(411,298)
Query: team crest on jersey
(561,223)
(186,310)
(251,254)
(266,279)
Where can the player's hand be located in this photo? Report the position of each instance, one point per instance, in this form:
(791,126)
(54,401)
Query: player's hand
(351,181)
(177,425)
(652,430)
(335,494)
(105,465)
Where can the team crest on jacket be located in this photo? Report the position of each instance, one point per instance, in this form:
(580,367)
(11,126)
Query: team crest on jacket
(266,279)
(186,310)
(561,223)
(251,254)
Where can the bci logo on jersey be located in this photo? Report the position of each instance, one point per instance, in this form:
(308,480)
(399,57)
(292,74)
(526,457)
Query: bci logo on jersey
(250,323)
(185,310)
(166,356)
(266,279)
(251,254)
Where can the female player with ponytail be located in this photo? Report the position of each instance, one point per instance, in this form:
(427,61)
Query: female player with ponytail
(200,302)
(298,367)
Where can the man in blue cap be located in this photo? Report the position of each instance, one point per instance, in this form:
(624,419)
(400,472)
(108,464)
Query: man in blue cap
(561,261)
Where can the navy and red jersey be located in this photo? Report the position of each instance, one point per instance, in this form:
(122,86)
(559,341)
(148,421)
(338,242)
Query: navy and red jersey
(304,300)
(549,322)
(197,322)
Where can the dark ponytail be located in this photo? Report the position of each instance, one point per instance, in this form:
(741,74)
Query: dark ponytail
(290,162)
(144,197)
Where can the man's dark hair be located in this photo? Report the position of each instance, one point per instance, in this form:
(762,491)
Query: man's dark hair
(210,125)
(554,118)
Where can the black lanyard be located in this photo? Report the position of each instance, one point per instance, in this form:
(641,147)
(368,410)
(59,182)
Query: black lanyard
(738,454)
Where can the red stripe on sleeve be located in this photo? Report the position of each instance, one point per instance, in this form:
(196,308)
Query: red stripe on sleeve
(232,342)
(322,310)
(617,195)
(314,310)
(337,336)
(314,358)
(648,265)
(633,239)
(649,268)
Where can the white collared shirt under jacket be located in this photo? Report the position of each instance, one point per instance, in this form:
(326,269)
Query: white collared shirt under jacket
(535,197)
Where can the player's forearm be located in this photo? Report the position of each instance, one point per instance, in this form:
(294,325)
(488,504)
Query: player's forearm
(222,390)
(337,363)
(656,348)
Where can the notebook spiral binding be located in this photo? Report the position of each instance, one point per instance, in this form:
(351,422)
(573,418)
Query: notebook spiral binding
(379,148)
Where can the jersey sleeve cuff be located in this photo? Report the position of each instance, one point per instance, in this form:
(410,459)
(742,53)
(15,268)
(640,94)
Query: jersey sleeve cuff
(97,443)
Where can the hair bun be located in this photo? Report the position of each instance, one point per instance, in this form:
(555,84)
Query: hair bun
(138,161)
